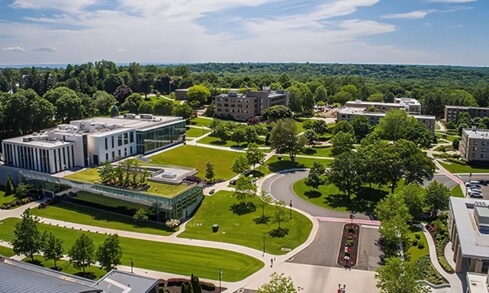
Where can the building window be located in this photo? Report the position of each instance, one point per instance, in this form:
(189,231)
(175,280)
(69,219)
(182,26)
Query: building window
(107,156)
(474,148)
(126,141)
(113,156)
(483,143)
(106,144)
(131,137)
(483,156)
(112,137)
(130,149)
(119,153)
(119,140)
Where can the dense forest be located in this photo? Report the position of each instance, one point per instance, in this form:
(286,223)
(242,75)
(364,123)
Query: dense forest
(35,98)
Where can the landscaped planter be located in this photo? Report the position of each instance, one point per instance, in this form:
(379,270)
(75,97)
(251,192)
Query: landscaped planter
(348,254)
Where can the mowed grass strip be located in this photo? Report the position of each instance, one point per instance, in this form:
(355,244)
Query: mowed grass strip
(414,251)
(196,132)
(67,267)
(274,164)
(6,251)
(242,229)
(165,257)
(89,216)
(198,121)
(196,157)
(457,191)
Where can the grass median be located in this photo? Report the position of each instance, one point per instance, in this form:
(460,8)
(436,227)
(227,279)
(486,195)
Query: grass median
(165,257)
(242,229)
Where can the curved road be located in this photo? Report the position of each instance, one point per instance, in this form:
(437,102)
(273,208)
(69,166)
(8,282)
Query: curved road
(280,186)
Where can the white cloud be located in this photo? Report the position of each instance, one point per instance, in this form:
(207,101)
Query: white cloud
(13,49)
(46,49)
(452,1)
(63,5)
(418,14)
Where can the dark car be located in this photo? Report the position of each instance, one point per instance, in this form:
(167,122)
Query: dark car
(232,182)
(212,191)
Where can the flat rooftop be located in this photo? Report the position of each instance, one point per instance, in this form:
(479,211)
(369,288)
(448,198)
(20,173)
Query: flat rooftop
(122,282)
(476,133)
(466,107)
(362,111)
(134,123)
(16,276)
(473,243)
(477,283)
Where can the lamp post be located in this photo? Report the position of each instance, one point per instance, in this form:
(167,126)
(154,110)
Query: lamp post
(132,266)
(264,243)
(290,204)
(220,278)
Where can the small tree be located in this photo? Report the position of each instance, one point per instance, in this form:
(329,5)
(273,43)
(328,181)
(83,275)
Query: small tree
(82,252)
(456,143)
(398,276)
(316,176)
(254,155)
(437,196)
(278,284)
(140,216)
(27,238)
(265,200)
(196,286)
(279,214)
(9,186)
(21,190)
(240,165)
(244,188)
(109,253)
(209,170)
(52,247)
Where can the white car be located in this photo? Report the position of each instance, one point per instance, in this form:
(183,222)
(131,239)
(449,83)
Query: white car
(476,195)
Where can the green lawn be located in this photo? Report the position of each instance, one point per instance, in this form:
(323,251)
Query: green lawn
(5,198)
(457,191)
(89,216)
(437,127)
(414,251)
(196,157)
(201,121)
(228,143)
(164,257)
(325,151)
(87,175)
(446,136)
(167,190)
(298,124)
(242,229)
(196,132)
(453,167)
(68,268)
(329,197)
(6,251)
(275,165)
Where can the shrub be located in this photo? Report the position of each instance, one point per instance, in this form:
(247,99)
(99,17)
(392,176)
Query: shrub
(172,223)
(415,242)
(417,236)
(420,244)
(176,282)
(208,286)
(428,272)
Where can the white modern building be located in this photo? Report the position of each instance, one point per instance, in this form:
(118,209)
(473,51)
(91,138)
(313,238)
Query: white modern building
(92,142)
(412,106)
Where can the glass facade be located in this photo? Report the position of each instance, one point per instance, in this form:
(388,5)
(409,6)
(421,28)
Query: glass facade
(154,139)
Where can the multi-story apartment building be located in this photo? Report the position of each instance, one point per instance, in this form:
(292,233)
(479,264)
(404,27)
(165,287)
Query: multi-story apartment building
(373,117)
(474,145)
(452,112)
(253,103)
(92,142)
(412,106)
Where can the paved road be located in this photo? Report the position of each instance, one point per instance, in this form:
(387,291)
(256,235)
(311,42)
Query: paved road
(447,181)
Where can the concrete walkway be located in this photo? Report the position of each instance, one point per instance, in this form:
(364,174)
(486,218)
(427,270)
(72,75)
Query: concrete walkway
(453,279)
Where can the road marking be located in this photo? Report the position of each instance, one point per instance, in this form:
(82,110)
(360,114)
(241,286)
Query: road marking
(346,220)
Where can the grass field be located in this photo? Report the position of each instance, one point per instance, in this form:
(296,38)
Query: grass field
(228,143)
(5,198)
(447,136)
(329,197)
(89,216)
(168,190)
(6,251)
(165,257)
(275,165)
(318,151)
(413,251)
(242,229)
(457,191)
(453,167)
(196,132)
(196,157)
(201,121)
(68,268)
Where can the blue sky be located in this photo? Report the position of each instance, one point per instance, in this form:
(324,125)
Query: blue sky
(452,32)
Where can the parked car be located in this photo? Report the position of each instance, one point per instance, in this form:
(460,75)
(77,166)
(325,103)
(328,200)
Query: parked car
(472,184)
(212,191)
(474,188)
(476,195)
(232,182)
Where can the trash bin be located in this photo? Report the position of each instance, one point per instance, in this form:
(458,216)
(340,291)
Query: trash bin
(215,228)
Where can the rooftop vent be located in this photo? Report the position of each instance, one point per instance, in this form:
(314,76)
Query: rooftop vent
(146,116)
(129,116)
(233,94)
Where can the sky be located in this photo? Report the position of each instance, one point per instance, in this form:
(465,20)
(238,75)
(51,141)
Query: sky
(447,32)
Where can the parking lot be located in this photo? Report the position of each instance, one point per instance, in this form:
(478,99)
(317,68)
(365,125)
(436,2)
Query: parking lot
(484,187)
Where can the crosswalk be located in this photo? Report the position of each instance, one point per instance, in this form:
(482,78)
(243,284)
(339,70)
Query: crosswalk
(346,220)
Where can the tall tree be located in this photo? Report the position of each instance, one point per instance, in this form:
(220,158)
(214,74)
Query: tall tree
(342,142)
(81,254)
(239,134)
(398,276)
(284,139)
(240,165)
(109,253)
(343,126)
(361,127)
(394,125)
(277,112)
(316,178)
(27,238)
(414,198)
(345,173)
(254,155)
(163,107)
(52,247)
(437,197)
(209,170)
(198,93)
(244,188)
(9,186)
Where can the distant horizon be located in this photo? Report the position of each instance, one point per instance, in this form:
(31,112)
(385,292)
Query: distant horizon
(63,65)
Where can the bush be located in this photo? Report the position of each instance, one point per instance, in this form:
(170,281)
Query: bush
(279,232)
(172,223)
(415,242)
(428,272)
(417,236)
(208,286)
(176,282)
(420,244)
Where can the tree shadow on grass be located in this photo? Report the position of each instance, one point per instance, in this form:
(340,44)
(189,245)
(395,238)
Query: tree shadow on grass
(283,165)
(262,220)
(35,262)
(313,194)
(218,142)
(279,232)
(364,202)
(243,208)
(309,151)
